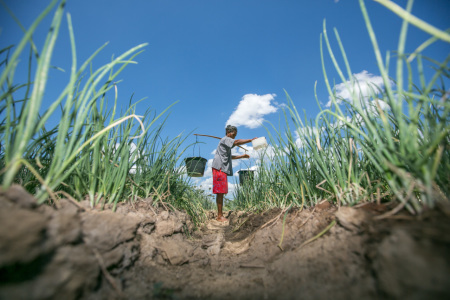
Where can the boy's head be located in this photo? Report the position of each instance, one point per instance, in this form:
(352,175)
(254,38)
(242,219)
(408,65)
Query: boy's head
(231,130)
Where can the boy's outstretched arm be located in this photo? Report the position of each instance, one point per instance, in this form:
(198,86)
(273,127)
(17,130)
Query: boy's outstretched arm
(240,156)
(242,141)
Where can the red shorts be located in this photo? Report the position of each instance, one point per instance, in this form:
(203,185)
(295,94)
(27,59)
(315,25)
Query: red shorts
(220,182)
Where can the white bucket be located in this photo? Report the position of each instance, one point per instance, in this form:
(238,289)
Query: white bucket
(259,143)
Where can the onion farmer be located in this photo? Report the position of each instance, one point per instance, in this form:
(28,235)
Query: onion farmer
(222,166)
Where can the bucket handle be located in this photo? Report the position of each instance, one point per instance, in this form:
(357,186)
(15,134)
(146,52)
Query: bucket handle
(248,168)
(193,148)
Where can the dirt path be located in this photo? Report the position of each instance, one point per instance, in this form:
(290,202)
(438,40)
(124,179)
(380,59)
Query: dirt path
(141,253)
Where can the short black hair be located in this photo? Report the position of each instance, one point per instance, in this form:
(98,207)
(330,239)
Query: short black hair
(230,128)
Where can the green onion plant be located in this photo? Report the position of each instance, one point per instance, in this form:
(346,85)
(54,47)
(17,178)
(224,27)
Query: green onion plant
(96,152)
(390,145)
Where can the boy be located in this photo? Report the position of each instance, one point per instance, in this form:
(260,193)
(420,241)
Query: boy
(222,166)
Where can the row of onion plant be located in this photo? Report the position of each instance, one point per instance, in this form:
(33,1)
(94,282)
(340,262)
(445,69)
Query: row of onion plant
(96,152)
(391,144)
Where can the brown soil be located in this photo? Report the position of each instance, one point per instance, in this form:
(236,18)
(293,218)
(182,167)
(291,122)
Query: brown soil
(142,252)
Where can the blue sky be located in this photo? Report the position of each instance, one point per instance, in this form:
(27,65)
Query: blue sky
(222,60)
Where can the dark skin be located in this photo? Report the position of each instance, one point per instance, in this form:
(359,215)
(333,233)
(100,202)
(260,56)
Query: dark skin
(219,197)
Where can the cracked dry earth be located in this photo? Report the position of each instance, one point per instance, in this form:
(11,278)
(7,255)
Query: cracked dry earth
(141,252)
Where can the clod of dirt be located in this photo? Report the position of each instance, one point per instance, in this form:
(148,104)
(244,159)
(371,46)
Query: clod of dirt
(104,230)
(168,227)
(16,196)
(22,236)
(411,268)
(176,251)
(350,218)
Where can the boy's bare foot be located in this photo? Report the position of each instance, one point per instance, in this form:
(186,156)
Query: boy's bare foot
(222,219)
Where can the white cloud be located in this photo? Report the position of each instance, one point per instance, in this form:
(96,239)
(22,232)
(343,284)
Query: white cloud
(205,184)
(251,110)
(262,153)
(240,151)
(300,134)
(383,105)
(299,142)
(182,169)
(133,148)
(364,85)
(236,151)
(208,170)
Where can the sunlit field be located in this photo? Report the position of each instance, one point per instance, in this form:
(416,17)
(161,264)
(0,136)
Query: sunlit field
(390,143)
(98,202)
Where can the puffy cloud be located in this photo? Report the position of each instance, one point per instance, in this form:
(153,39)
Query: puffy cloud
(204,184)
(257,155)
(133,148)
(300,134)
(383,105)
(251,110)
(364,84)
(299,142)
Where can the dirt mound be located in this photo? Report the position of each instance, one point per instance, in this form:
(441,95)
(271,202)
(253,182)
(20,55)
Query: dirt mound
(142,252)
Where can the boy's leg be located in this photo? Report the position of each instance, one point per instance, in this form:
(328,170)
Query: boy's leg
(219,202)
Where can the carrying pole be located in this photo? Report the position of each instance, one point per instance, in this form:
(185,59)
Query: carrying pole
(216,137)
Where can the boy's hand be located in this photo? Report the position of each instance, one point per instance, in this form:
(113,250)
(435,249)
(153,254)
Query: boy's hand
(245,156)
